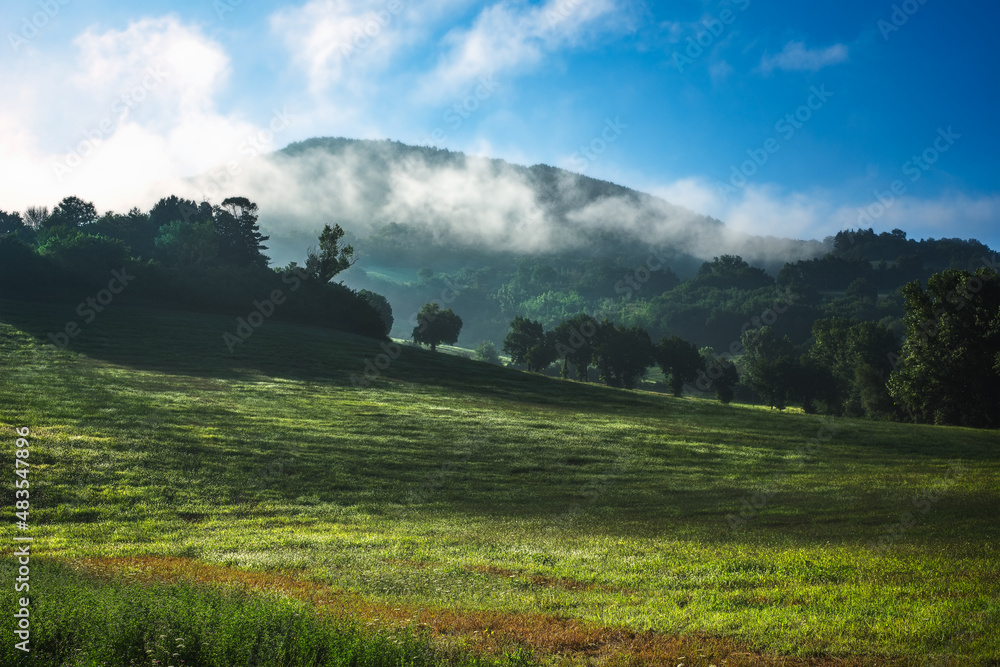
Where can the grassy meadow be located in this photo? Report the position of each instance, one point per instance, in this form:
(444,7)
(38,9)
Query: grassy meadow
(453,512)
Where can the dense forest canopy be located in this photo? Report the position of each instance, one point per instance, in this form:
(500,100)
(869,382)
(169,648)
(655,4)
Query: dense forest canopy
(180,253)
(654,287)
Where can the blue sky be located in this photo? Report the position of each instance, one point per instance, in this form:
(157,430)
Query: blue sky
(785,118)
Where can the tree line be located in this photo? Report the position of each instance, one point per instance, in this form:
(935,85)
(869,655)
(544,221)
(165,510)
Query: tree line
(938,361)
(946,369)
(183,254)
(659,289)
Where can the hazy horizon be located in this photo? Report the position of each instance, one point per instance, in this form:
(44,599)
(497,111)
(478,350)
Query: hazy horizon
(786,120)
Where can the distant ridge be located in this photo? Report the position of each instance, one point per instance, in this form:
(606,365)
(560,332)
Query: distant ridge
(482,204)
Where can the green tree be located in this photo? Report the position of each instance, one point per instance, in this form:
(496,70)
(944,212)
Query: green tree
(331,258)
(949,372)
(732,271)
(381,306)
(769,365)
(187,244)
(622,355)
(91,257)
(574,343)
(71,212)
(12,224)
(679,360)
(807,383)
(239,239)
(861,289)
(552,307)
(719,374)
(134,229)
(725,384)
(172,208)
(872,394)
(527,343)
(510,298)
(856,355)
(436,326)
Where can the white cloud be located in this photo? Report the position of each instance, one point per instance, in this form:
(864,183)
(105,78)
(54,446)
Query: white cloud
(344,43)
(769,210)
(692,193)
(514,36)
(326,37)
(939,217)
(796,57)
(131,109)
(191,67)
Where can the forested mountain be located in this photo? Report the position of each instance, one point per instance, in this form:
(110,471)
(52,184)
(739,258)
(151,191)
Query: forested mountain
(440,247)
(496,240)
(644,286)
(460,206)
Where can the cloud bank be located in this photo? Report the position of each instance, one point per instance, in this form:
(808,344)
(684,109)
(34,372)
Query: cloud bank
(481,203)
(137,109)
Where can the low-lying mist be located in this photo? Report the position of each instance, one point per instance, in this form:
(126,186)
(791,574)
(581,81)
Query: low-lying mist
(467,202)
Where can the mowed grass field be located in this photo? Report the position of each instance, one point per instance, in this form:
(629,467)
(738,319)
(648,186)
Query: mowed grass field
(488,511)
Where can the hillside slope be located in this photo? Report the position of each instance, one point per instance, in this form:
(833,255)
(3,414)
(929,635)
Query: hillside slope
(449,484)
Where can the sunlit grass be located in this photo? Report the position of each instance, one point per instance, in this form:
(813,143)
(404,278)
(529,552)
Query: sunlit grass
(89,615)
(458,485)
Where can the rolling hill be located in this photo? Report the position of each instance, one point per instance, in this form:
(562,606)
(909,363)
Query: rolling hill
(485,509)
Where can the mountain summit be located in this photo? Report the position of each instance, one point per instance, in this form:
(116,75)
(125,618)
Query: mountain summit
(475,203)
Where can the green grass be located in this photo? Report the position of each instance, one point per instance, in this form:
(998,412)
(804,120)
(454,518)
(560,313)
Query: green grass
(81,620)
(452,483)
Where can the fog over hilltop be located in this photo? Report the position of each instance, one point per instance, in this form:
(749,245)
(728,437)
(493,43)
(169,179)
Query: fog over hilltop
(468,202)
